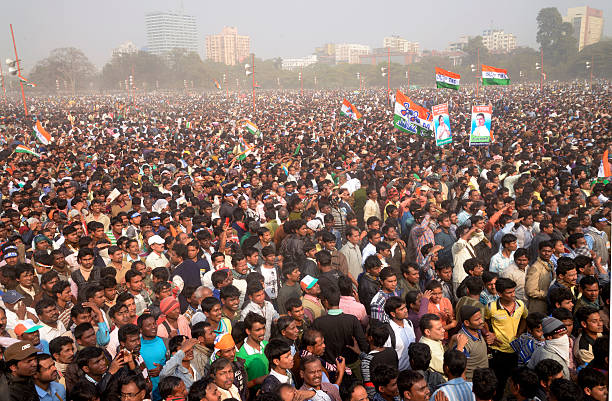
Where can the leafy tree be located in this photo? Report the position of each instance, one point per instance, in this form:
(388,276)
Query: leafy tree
(148,70)
(473,50)
(65,64)
(555,36)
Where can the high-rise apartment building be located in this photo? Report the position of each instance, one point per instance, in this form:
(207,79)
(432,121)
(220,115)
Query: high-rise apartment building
(400,44)
(498,41)
(588,24)
(228,47)
(167,31)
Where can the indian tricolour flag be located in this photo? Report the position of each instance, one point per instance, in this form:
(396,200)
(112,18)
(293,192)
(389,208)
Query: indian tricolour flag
(42,134)
(494,76)
(25,149)
(447,79)
(349,110)
(249,126)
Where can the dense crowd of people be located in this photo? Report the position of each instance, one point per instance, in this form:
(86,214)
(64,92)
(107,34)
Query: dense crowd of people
(158,249)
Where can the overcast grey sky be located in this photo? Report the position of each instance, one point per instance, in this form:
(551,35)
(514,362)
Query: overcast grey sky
(277,28)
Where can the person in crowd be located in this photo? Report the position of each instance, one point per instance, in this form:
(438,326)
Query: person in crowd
(456,388)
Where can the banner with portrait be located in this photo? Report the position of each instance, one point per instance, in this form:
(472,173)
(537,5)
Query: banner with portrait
(480,133)
(442,127)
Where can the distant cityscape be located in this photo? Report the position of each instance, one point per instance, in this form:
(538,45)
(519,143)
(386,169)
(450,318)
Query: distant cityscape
(166,31)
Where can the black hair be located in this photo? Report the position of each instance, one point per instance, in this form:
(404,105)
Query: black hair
(587,280)
(80,329)
(345,285)
(473,284)
(175,343)
(208,303)
(565,264)
(484,383)
(455,361)
(502,284)
(166,386)
(559,294)
(229,291)
(411,297)
(547,368)
(526,380)
(386,272)
(275,348)
(56,345)
(87,354)
(197,391)
(391,305)
(382,375)
(406,379)
(534,320)
(589,378)
(379,334)
(331,295)
(252,318)
(419,355)
(128,330)
(141,319)
(84,390)
(137,379)
(565,390)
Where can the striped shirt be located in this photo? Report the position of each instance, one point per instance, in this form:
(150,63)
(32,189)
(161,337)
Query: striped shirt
(456,390)
(377,306)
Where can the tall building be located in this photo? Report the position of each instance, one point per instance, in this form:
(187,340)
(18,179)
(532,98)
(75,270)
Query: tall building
(167,31)
(125,48)
(228,47)
(350,52)
(400,44)
(498,41)
(587,23)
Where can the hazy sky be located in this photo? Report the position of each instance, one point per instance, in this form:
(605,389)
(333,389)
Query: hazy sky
(277,28)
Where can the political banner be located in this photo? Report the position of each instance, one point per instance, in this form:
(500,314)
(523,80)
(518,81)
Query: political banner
(441,121)
(480,134)
(411,117)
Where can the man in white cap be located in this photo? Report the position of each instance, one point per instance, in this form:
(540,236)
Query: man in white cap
(313,308)
(157,258)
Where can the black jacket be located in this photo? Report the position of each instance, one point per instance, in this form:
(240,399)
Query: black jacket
(368,287)
(339,331)
(17,388)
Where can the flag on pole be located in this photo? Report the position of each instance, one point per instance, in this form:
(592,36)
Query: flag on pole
(26,82)
(349,110)
(42,134)
(411,117)
(243,149)
(217,84)
(249,126)
(494,76)
(447,79)
(27,150)
(604,166)
(297,150)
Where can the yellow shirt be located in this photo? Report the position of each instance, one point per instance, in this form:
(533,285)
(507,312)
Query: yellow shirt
(505,326)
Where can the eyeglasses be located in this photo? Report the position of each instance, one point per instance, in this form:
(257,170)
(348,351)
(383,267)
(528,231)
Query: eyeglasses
(125,396)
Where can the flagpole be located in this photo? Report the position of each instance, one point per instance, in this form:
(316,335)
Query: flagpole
(25,106)
(478,69)
(253,82)
(388,75)
(3,88)
(542,68)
